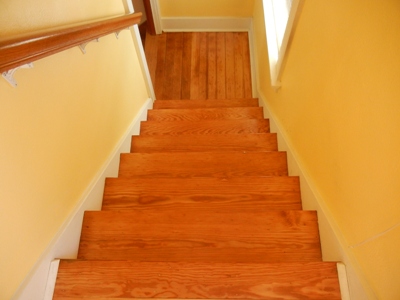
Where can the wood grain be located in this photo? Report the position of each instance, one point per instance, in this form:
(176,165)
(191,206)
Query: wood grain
(186,143)
(234,113)
(239,66)
(197,280)
(160,68)
(260,193)
(200,236)
(214,66)
(166,104)
(247,86)
(151,54)
(33,46)
(186,67)
(230,65)
(204,127)
(203,66)
(205,164)
(221,66)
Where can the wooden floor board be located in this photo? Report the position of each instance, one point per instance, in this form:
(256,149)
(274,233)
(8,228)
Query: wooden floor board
(160,69)
(202,65)
(212,66)
(247,83)
(221,66)
(186,66)
(151,55)
(238,66)
(195,67)
(172,74)
(230,65)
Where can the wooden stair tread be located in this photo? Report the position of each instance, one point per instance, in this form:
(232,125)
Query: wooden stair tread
(281,193)
(204,127)
(184,143)
(227,113)
(141,280)
(158,104)
(200,236)
(203,164)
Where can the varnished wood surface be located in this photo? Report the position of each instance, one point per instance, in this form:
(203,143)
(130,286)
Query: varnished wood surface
(204,127)
(203,207)
(205,164)
(28,48)
(258,193)
(202,65)
(185,143)
(200,114)
(200,236)
(209,103)
(145,280)
(150,50)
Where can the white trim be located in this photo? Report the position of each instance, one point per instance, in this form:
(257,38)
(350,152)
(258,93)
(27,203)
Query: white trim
(253,61)
(137,41)
(343,283)
(51,280)
(66,241)
(155,9)
(192,24)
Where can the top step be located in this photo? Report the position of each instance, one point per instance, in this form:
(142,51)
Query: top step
(205,103)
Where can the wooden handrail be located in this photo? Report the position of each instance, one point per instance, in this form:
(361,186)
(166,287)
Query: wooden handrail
(25,49)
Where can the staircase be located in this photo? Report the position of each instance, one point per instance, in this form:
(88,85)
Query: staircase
(203,208)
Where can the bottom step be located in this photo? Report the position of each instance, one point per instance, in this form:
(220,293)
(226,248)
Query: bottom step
(126,280)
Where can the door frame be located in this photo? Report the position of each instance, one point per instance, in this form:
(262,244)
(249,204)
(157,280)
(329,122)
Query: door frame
(153,16)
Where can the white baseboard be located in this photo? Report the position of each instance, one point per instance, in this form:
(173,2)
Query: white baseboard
(66,242)
(185,24)
(333,244)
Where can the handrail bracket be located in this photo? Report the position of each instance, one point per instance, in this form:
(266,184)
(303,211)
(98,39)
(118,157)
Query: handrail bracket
(9,75)
(83,46)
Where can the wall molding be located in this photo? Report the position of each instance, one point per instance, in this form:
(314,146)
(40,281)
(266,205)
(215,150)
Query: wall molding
(66,241)
(197,24)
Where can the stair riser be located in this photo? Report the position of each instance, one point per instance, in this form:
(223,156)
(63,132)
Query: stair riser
(204,128)
(165,104)
(241,113)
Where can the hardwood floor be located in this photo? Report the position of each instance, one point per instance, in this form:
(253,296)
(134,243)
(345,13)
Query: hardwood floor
(200,65)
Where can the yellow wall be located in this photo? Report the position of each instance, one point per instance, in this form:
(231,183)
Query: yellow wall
(339,106)
(58,127)
(206,8)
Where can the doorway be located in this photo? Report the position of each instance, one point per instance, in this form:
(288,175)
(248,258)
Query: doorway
(147,23)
